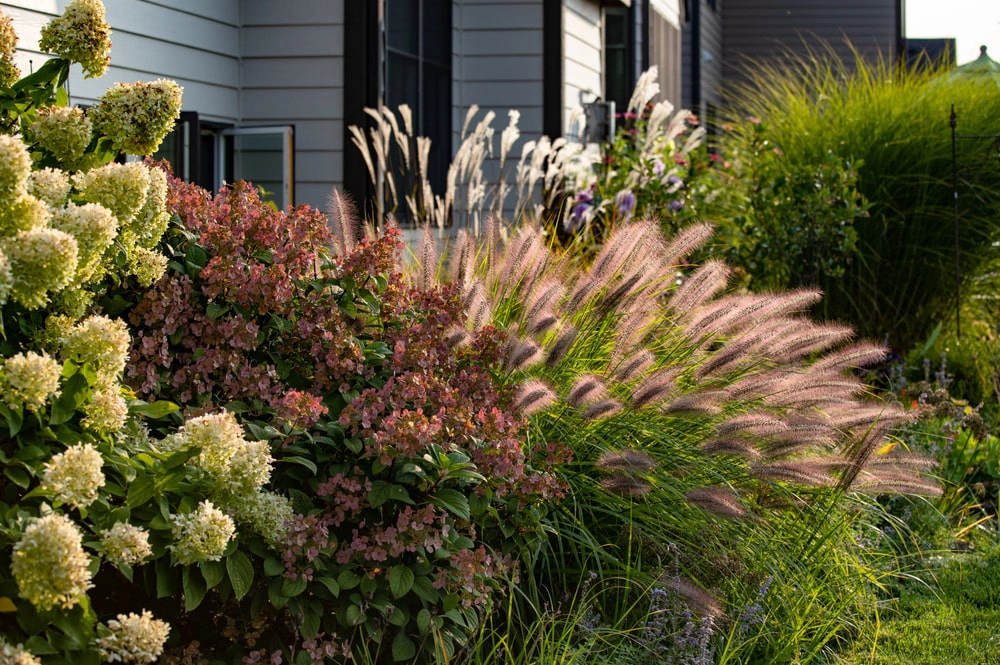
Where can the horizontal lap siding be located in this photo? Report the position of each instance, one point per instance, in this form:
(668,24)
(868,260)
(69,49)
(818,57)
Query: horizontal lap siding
(583,46)
(292,72)
(193,43)
(497,65)
(760,29)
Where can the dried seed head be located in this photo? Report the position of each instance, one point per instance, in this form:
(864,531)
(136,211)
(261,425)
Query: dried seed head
(626,485)
(603,409)
(534,396)
(628,460)
(717,500)
(587,390)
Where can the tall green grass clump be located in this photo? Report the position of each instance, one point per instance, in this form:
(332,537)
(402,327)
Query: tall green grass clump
(892,125)
(718,439)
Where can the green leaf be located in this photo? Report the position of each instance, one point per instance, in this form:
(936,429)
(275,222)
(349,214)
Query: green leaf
(155,410)
(353,615)
(330,584)
(403,647)
(14,418)
(348,580)
(194,588)
(18,476)
(70,399)
(453,501)
(240,573)
(400,580)
(424,588)
(140,491)
(212,571)
(273,566)
(310,624)
(301,461)
(292,588)
(379,493)
(424,621)
(216,311)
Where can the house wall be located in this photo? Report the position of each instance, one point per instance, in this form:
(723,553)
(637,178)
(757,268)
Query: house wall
(709,49)
(292,72)
(759,29)
(583,55)
(665,47)
(195,43)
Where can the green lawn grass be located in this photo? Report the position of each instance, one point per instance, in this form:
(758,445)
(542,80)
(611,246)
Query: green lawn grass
(947,613)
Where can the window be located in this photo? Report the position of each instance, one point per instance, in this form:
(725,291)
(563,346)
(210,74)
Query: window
(617,74)
(418,73)
(210,154)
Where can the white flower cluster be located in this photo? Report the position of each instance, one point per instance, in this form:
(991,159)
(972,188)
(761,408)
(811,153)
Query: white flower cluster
(49,564)
(201,535)
(63,131)
(74,476)
(125,544)
(136,116)
(94,228)
(239,467)
(9,73)
(102,343)
(80,35)
(16,655)
(30,379)
(50,185)
(134,638)
(106,412)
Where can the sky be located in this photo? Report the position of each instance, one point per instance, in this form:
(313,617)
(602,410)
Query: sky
(971,22)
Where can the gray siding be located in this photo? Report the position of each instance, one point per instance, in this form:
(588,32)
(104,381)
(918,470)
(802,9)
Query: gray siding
(710,55)
(759,29)
(194,43)
(583,55)
(292,72)
(497,62)
(665,48)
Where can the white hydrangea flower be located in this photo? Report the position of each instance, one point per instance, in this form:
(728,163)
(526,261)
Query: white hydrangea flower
(82,35)
(50,185)
(239,467)
(23,212)
(125,544)
(101,342)
(121,188)
(15,166)
(63,131)
(30,379)
(42,261)
(201,535)
(6,278)
(16,655)
(150,223)
(49,564)
(74,476)
(136,116)
(147,265)
(266,513)
(94,228)
(106,412)
(134,638)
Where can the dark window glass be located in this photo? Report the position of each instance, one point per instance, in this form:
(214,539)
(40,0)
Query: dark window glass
(617,83)
(418,73)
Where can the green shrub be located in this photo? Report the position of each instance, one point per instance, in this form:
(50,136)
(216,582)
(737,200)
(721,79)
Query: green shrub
(892,126)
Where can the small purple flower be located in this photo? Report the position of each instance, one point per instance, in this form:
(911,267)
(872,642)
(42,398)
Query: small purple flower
(675,182)
(658,167)
(675,205)
(626,203)
(585,197)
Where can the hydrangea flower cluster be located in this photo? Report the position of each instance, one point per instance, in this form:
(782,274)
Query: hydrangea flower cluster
(9,73)
(50,185)
(16,655)
(29,379)
(239,467)
(125,544)
(100,342)
(135,638)
(106,412)
(42,261)
(74,476)
(49,564)
(121,188)
(94,228)
(136,116)
(201,535)
(81,34)
(63,131)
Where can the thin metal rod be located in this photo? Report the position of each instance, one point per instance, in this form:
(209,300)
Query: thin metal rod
(953,121)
